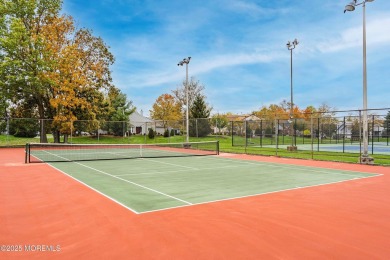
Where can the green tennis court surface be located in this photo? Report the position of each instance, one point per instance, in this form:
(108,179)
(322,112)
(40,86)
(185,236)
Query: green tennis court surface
(150,184)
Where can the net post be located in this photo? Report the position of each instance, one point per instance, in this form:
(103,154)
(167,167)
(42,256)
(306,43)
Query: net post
(27,153)
(217,147)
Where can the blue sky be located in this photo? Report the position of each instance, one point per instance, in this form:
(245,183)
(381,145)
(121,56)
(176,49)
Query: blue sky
(238,50)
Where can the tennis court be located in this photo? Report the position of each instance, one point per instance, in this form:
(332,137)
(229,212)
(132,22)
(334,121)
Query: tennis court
(170,176)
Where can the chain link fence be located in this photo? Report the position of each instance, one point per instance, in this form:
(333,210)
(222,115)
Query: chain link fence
(17,131)
(319,135)
(331,132)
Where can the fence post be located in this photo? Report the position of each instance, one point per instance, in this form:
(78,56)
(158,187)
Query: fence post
(71,131)
(145,131)
(344,136)
(372,134)
(98,128)
(277,134)
(261,133)
(196,127)
(246,139)
(8,141)
(295,131)
(312,135)
(319,134)
(360,136)
(231,130)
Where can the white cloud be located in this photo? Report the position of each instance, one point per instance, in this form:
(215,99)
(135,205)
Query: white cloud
(236,59)
(352,37)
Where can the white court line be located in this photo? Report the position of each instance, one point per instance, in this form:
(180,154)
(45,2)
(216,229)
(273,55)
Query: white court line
(162,172)
(172,164)
(226,199)
(101,193)
(148,159)
(259,194)
(288,166)
(136,184)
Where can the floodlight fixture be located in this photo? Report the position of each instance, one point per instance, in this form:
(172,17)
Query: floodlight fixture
(291,45)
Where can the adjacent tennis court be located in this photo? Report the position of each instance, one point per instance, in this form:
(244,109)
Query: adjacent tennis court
(169,175)
(378,148)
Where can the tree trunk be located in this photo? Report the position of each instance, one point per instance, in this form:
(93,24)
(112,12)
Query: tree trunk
(42,131)
(56,136)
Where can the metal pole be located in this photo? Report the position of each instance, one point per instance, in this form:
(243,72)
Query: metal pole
(187,120)
(181,63)
(290,47)
(276,135)
(365,127)
(7,130)
(360,135)
(292,104)
(312,135)
(372,134)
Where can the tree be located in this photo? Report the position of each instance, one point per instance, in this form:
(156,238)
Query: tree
(151,133)
(199,113)
(79,73)
(308,112)
(118,113)
(355,131)
(166,108)
(21,48)
(22,124)
(45,62)
(326,115)
(219,121)
(194,88)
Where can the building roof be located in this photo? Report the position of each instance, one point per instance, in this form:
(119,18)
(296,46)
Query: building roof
(136,117)
(244,117)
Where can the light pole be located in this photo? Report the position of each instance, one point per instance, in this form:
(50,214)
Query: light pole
(365,158)
(181,63)
(290,47)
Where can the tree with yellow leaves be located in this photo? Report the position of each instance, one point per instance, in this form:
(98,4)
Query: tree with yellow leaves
(166,108)
(45,62)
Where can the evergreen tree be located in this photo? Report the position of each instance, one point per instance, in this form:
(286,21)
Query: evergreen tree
(199,117)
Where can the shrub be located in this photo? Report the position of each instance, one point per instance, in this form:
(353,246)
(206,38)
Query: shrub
(166,133)
(151,133)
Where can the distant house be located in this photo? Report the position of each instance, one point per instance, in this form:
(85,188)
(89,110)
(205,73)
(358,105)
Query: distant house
(257,125)
(346,129)
(244,117)
(140,124)
(236,118)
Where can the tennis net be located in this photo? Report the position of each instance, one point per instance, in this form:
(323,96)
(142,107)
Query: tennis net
(43,152)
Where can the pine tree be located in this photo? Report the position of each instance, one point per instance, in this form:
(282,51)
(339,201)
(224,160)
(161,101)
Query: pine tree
(199,115)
